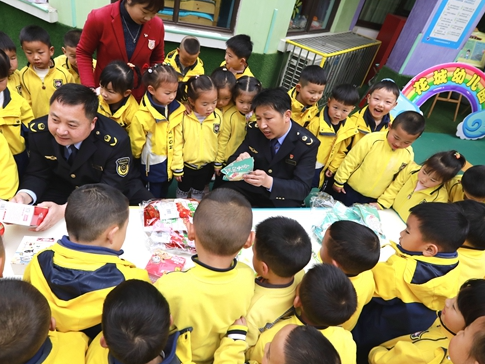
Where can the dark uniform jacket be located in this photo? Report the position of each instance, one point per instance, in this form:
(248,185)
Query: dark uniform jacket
(292,168)
(104,157)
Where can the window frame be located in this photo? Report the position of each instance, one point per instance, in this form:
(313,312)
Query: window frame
(400,10)
(307,29)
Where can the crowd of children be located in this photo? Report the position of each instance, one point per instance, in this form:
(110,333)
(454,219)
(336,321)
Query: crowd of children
(85,304)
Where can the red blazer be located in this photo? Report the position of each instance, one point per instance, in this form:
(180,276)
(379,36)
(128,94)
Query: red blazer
(103,33)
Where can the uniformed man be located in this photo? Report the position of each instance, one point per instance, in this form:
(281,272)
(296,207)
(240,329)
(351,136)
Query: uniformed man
(72,146)
(284,154)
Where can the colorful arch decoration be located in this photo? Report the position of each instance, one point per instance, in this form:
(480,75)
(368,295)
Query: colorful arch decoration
(457,77)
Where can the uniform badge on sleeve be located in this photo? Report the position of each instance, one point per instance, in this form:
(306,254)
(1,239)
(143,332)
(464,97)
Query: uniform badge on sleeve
(151,43)
(57,83)
(122,166)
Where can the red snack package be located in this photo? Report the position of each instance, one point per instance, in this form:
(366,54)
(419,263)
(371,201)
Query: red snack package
(161,263)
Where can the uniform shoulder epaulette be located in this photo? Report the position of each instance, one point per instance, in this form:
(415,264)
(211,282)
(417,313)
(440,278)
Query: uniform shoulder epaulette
(253,125)
(39,125)
(109,131)
(306,137)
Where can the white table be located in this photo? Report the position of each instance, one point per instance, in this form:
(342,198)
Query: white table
(136,247)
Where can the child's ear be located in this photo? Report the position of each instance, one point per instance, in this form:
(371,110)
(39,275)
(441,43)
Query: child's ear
(171,320)
(297,302)
(431,250)
(265,269)
(63,50)
(298,88)
(111,232)
(51,50)
(52,324)
(178,49)
(368,98)
(190,231)
(127,93)
(151,89)
(250,241)
(243,61)
(102,341)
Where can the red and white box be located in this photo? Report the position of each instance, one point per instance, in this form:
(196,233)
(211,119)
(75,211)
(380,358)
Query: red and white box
(19,214)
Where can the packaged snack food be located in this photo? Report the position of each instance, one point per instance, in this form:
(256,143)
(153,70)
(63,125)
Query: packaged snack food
(19,214)
(237,169)
(162,262)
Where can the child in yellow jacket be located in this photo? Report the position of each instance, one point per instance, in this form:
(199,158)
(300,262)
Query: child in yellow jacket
(468,186)
(185,59)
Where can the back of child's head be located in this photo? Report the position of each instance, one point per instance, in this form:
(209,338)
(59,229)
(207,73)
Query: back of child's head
(411,122)
(191,45)
(313,74)
(72,37)
(387,85)
(246,84)
(158,74)
(472,182)
(73,94)
(443,224)
(470,300)
(475,213)
(223,78)
(135,322)
(120,75)
(327,296)
(305,344)
(34,33)
(346,94)
(6,43)
(194,87)
(25,318)
(93,208)
(276,98)
(4,65)
(283,244)
(445,164)
(223,222)
(240,45)
(354,247)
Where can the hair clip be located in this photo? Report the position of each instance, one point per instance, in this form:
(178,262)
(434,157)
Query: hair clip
(457,155)
(150,70)
(131,65)
(224,69)
(166,64)
(196,76)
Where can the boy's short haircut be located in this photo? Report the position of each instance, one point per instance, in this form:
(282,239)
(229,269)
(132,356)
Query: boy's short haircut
(71,38)
(305,344)
(475,213)
(327,296)
(191,45)
(4,64)
(25,318)
(313,74)
(223,222)
(411,122)
(443,224)
(135,322)
(477,351)
(283,244)
(93,208)
(388,85)
(34,33)
(355,247)
(276,98)
(240,45)
(6,44)
(470,300)
(472,181)
(346,94)
(73,94)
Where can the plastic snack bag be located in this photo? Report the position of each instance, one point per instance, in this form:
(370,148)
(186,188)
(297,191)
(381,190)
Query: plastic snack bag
(162,262)
(236,170)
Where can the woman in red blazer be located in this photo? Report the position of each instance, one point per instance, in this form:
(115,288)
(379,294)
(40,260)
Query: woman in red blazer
(126,30)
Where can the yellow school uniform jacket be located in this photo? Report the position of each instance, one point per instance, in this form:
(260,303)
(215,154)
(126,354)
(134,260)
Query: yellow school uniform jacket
(200,140)
(364,287)
(62,61)
(302,114)
(422,347)
(209,300)
(238,75)
(372,164)
(401,194)
(330,153)
(14,84)
(269,305)
(472,263)
(38,92)
(358,120)
(155,139)
(62,347)
(233,133)
(9,177)
(232,347)
(340,338)
(124,115)
(75,280)
(15,114)
(455,189)
(227,107)
(197,68)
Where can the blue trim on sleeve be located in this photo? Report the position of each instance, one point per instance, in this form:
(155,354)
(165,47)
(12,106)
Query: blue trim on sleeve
(65,242)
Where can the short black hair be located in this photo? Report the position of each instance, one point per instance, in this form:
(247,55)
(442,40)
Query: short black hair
(159,73)
(477,351)
(150,5)
(475,213)
(283,244)
(327,296)
(346,94)
(313,74)
(120,75)
(355,247)
(34,33)
(411,122)
(276,98)
(388,85)
(470,300)
(25,318)
(191,45)
(6,43)
(223,222)
(93,208)
(223,78)
(443,224)
(4,64)
(305,344)
(246,84)
(135,322)
(193,87)
(472,181)
(71,38)
(240,45)
(445,164)
(73,94)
